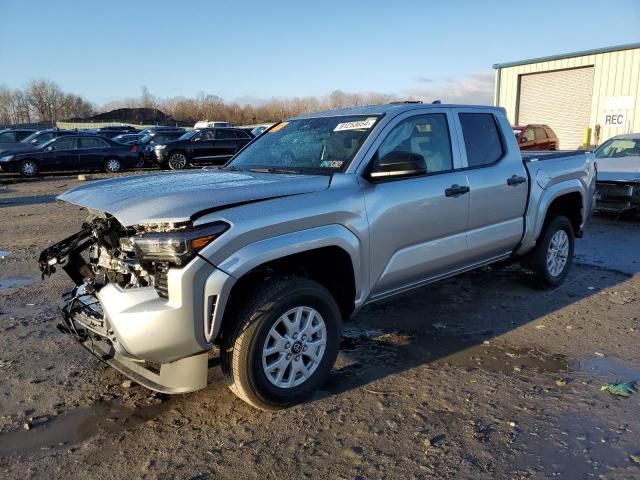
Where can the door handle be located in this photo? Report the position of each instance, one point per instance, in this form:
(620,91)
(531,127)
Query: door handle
(514,180)
(456,190)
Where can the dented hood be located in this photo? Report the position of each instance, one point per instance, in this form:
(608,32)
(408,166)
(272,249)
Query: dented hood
(173,197)
(624,169)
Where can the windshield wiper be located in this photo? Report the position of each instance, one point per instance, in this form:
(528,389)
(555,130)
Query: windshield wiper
(274,170)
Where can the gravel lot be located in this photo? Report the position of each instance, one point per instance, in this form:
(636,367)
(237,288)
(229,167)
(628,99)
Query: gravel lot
(474,377)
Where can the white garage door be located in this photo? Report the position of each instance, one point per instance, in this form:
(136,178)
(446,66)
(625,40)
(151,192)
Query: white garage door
(560,99)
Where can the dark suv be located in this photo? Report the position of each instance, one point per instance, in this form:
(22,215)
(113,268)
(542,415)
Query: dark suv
(536,137)
(209,145)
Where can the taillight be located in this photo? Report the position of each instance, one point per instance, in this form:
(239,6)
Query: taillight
(133,149)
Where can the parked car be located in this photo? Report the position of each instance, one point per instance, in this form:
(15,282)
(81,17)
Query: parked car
(259,129)
(270,255)
(72,152)
(15,135)
(126,138)
(207,124)
(618,161)
(148,130)
(147,143)
(536,137)
(34,140)
(207,146)
(111,132)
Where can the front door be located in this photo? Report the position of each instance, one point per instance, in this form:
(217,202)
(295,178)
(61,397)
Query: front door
(63,154)
(418,225)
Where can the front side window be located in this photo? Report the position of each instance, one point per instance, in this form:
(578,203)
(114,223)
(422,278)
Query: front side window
(617,148)
(426,135)
(67,143)
(481,138)
(529,135)
(323,144)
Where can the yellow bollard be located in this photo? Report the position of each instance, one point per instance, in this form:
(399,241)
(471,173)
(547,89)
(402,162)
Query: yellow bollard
(587,139)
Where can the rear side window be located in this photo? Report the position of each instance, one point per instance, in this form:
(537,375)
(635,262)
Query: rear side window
(7,137)
(481,138)
(225,134)
(91,143)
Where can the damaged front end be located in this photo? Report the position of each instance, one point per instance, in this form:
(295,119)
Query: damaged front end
(120,309)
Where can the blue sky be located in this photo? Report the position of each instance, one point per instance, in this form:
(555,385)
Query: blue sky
(241,50)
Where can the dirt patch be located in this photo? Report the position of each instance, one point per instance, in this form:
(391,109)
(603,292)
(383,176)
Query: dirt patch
(474,377)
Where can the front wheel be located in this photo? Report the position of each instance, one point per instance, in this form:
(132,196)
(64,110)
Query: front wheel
(549,262)
(29,168)
(283,344)
(177,161)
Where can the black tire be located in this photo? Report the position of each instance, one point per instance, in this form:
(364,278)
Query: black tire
(536,261)
(243,344)
(29,168)
(112,165)
(140,163)
(177,160)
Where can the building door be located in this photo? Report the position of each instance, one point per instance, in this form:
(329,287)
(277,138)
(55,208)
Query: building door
(560,99)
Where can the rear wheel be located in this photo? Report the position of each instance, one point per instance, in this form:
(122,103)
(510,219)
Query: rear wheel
(283,344)
(177,161)
(549,262)
(29,168)
(140,163)
(112,165)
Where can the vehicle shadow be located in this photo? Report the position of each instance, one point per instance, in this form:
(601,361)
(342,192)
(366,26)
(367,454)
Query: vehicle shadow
(437,321)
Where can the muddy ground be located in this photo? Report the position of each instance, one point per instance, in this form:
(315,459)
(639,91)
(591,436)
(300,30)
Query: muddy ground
(475,377)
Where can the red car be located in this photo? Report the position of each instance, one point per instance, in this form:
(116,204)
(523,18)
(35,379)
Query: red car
(536,137)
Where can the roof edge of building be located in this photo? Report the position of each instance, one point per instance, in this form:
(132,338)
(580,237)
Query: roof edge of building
(560,56)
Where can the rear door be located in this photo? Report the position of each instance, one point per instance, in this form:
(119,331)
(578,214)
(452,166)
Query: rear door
(417,225)
(91,152)
(226,144)
(61,155)
(497,181)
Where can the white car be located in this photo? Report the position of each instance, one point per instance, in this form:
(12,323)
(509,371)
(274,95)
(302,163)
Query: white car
(208,124)
(618,184)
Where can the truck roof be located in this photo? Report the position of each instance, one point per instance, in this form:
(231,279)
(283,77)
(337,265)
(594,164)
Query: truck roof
(394,107)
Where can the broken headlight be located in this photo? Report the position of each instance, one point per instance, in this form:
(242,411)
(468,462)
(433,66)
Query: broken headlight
(176,248)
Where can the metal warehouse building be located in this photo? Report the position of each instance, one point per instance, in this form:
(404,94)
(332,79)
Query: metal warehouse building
(594,89)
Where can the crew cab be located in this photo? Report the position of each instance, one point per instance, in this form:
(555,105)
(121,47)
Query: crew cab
(268,256)
(205,146)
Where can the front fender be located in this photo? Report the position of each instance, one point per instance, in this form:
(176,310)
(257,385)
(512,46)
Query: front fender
(247,258)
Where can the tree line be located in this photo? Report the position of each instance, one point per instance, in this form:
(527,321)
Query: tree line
(44,101)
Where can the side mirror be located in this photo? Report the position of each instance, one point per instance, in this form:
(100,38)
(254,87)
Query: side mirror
(398,164)
(524,140)
(50,148)
(197,139)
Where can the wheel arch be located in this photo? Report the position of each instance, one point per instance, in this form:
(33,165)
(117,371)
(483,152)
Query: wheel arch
(328,255)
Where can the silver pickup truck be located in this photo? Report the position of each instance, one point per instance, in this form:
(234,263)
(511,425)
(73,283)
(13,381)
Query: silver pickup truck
(269,255)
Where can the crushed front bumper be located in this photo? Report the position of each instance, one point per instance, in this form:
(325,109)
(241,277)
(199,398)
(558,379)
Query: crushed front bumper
(84,319)
(617,196)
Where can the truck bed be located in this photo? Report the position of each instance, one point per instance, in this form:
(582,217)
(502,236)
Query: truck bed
(541,155)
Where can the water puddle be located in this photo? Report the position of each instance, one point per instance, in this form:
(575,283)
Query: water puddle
(611,368)
(8,283)
(79,425)
(4,254)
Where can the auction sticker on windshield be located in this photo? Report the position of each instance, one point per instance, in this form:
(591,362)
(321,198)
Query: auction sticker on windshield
(278,127)
(360,124)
